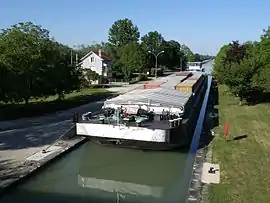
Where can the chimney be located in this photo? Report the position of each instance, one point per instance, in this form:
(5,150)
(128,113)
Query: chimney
(99,52)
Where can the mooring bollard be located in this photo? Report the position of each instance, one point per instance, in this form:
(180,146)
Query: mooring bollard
(75,117)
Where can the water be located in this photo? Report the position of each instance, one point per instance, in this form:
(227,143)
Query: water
(94,173)
(208,67)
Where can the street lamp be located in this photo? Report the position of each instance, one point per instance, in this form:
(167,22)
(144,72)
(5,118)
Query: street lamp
(156,55)
(181,62)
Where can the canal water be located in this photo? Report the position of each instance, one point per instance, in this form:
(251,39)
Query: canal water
(94,173)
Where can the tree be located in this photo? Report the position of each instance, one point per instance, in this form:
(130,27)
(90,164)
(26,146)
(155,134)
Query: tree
(220,64)
(239,79)
(63,76)
(262,60)
(266,33)
(20,51)
(39,65)
(123,32)
(188,53)
(236,66)
(173,55)
(131,60)
(152,41)
(4,87)
(236,52)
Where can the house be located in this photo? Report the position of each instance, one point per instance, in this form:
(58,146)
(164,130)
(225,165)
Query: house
(98,62)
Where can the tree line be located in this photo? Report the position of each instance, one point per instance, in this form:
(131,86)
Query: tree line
(130,51)
(34,65)
(245,68)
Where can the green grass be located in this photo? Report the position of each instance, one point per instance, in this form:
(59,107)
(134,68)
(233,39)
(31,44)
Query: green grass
(41,106)
(245,163)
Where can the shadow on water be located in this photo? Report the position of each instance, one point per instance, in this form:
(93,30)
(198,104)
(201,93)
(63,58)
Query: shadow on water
(211,118)
(53,197)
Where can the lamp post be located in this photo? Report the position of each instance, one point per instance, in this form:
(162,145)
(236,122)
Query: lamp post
(181,62)
(156,56)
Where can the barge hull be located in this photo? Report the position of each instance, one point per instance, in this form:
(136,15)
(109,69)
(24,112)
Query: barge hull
(134,144)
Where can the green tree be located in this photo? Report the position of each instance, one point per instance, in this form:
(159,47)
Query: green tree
(235,66)
(131,60)
(152,41)
(239,78)
(187,53)
(20,48)
(63,76)
(266,33)
(220,64)
(34,65)
(122,32)
(4,82)
(262,60)
(173,55)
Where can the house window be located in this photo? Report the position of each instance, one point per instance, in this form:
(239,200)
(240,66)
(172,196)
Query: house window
(92,59)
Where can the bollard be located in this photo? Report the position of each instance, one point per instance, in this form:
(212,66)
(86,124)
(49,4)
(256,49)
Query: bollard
(75,117)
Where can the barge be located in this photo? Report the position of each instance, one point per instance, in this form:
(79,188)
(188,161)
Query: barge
(159,115)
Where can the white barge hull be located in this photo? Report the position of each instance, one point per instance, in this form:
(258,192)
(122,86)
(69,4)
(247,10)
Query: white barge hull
(122,132)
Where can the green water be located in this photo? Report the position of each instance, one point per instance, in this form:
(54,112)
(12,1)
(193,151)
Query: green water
(94,173)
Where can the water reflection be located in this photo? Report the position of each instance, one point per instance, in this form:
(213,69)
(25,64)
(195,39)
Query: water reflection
(94,173)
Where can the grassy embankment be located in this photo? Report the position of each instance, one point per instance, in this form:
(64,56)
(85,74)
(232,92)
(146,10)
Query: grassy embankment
(37,107)
(244,163)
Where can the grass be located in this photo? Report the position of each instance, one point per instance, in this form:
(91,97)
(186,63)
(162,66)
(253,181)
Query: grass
(244,163)
(41,106)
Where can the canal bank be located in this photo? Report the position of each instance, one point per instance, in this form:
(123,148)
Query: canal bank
(17,173)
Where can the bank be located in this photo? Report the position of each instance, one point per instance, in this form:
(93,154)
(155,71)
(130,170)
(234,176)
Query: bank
(244,159)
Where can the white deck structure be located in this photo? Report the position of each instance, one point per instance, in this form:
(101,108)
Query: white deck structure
(163,98)
(194,66)
(153,99)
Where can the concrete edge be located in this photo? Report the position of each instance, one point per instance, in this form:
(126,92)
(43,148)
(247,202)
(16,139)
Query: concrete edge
(206,187)
(32,168)
(194,191)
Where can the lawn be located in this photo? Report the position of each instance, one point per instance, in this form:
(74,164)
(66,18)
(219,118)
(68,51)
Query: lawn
(37,107)
(244,163)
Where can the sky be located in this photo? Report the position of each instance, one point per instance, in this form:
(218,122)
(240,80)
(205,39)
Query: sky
(204,26)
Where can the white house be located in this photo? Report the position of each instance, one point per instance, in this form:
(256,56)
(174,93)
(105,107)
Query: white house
(98,62)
